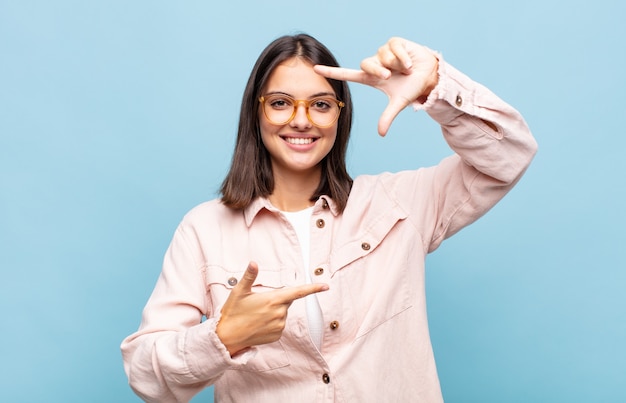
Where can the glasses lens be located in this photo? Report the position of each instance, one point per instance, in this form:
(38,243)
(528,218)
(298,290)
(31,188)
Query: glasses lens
(323,111)
(279,109)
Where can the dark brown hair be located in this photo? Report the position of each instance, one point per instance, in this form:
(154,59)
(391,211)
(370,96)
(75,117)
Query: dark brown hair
(250,175)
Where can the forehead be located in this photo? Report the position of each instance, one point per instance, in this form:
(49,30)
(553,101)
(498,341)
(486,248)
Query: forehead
(296,77)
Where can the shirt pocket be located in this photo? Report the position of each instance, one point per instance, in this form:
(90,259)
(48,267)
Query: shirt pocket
(267,357)
(372,269)
(266,280)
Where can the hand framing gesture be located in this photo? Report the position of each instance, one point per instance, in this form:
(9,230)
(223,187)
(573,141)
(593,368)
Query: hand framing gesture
(402,69)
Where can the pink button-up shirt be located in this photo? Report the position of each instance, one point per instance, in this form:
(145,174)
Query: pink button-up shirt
(376,345)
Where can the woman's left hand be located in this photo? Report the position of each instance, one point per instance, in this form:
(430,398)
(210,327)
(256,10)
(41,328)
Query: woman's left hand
(404,70)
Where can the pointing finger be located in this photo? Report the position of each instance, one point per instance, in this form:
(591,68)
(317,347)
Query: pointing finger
(288,295)
(340,73)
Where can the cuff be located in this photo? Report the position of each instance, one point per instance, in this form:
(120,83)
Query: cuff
(452,97)
(205,354)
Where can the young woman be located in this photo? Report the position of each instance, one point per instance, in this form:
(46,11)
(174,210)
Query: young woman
(312,284)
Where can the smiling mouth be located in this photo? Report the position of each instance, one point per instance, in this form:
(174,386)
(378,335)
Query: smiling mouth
(299,140)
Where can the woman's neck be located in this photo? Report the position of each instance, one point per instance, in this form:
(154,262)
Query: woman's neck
(293,192)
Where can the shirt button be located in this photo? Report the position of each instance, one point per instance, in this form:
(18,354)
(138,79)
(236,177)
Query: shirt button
(319,271)
(365,246)
(458,100)
(324,204)
(326,378)
(320,223)
(334,325)
(232,281)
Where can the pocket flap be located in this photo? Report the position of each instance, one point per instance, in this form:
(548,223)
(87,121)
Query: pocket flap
(230,278)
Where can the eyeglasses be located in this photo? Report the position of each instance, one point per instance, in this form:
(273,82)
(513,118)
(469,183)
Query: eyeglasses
(280,109)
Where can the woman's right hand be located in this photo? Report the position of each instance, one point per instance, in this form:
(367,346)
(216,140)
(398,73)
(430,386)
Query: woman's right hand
(249,319)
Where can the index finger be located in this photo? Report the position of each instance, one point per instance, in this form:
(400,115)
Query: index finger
(341,73)
(288,295)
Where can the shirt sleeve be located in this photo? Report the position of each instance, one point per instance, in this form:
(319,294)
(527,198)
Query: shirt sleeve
(174,355)
(493,148)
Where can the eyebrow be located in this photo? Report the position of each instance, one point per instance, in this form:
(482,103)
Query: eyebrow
(318,94)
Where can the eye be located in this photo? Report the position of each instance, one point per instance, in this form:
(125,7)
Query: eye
(280,102)
(322,104)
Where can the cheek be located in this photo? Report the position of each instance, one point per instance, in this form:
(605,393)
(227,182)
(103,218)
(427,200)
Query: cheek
(266,132)
(332,135)
(262,122)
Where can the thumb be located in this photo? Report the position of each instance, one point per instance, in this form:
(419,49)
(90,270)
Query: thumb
(245,284)
(392,110)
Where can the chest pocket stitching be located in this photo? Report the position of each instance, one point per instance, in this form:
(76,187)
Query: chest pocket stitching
(373,235)
(262,361)
(217,275)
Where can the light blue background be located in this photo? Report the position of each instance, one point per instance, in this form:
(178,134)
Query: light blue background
(116,117)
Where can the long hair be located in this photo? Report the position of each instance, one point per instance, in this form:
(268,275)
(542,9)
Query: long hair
(250,175)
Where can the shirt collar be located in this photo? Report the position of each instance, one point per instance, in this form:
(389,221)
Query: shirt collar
(260,203)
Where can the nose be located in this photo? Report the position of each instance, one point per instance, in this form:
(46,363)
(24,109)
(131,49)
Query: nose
(300,120)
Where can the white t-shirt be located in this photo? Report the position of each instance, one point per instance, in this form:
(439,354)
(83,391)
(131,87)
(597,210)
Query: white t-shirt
(300,220)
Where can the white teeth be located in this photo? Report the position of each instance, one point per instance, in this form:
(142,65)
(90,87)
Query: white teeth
(298,140)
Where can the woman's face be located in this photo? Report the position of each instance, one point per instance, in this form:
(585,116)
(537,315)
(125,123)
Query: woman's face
(298,146)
